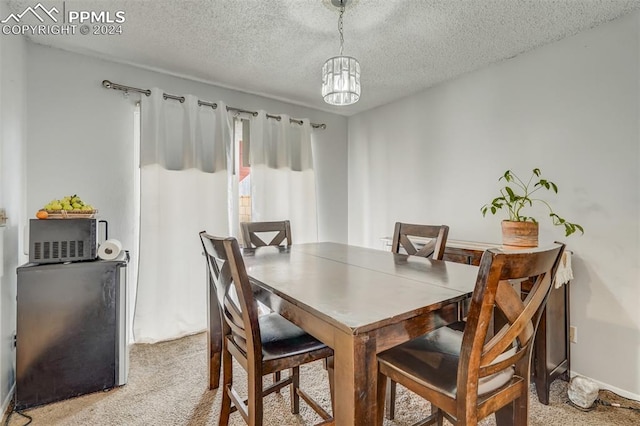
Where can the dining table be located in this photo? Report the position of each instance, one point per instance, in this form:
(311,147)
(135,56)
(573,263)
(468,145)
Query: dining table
(358,301)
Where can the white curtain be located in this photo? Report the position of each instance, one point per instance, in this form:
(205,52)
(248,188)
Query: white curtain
(283,183)
(185,188)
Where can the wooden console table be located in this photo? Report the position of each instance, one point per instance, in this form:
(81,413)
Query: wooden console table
(551,351)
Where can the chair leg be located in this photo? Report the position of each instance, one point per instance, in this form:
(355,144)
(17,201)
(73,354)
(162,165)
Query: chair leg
(227,382)
(215,339)
(276,378)
(328,364)
(214,370)
(391,399)
(521,411)
(255,398)
(295,384)
(439,415)
(504,416)
(381,391)
(514,413)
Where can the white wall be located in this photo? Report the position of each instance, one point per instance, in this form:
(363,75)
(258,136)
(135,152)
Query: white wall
(12,198)
(570,108)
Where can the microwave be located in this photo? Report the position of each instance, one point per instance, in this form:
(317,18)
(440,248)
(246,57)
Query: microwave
(63,240)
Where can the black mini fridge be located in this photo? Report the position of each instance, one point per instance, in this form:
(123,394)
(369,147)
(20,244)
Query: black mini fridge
(71,334)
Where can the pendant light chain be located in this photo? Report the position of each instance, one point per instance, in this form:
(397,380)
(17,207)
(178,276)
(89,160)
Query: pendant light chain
(340,30)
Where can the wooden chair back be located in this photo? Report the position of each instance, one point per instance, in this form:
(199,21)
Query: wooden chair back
(227,270)
(485,353)
(250,231)
(434,248)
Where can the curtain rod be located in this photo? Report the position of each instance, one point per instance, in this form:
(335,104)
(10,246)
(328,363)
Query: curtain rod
(109,85)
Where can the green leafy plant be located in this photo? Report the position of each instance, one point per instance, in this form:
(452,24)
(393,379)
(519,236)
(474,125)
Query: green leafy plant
(518,195)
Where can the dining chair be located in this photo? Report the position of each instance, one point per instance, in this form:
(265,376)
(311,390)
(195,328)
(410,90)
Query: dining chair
(251,231)
(433,248)
(260,344)
(466,371)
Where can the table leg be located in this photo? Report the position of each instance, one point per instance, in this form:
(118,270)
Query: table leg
(214,339)
(356,372)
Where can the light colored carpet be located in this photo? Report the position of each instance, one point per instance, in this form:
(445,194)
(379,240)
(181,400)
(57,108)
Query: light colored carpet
(168,386)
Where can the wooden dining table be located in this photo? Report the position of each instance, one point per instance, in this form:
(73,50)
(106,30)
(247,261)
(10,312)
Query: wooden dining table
(359,301)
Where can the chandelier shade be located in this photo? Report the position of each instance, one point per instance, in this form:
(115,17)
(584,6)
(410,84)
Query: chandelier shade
(341,74)
(341,80)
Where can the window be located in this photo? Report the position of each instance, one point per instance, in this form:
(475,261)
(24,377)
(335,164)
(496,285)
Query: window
(242,165)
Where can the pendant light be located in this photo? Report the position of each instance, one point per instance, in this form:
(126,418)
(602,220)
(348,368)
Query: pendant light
(341,74)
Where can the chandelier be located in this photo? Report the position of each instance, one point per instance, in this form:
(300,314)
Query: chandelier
(341,74)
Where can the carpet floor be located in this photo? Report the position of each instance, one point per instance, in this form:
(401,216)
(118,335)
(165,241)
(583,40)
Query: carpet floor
(168,386)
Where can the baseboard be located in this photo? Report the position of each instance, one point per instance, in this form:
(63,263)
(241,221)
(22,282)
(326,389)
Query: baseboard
(7,402)
(602,385)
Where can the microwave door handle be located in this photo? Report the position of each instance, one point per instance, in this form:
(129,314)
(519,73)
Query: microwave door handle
(106,229)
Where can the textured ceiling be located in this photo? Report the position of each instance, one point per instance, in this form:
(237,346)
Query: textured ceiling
(276,48)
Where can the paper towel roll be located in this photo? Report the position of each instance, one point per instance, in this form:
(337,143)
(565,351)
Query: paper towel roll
(110,249)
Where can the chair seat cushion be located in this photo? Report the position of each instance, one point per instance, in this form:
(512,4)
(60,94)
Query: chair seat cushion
(432,361)
(281,338)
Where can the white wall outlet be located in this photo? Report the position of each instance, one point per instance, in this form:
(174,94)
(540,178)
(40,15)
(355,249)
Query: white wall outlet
(573,334)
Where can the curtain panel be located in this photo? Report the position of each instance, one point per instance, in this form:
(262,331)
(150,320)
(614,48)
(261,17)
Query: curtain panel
(283,183)
(186,187)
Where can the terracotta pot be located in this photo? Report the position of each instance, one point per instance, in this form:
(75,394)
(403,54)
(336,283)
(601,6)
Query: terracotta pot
(519,234)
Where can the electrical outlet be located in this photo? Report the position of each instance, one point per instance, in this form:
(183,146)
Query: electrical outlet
(573,334)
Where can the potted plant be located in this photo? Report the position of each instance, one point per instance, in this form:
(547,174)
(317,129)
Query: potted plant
(521,230)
